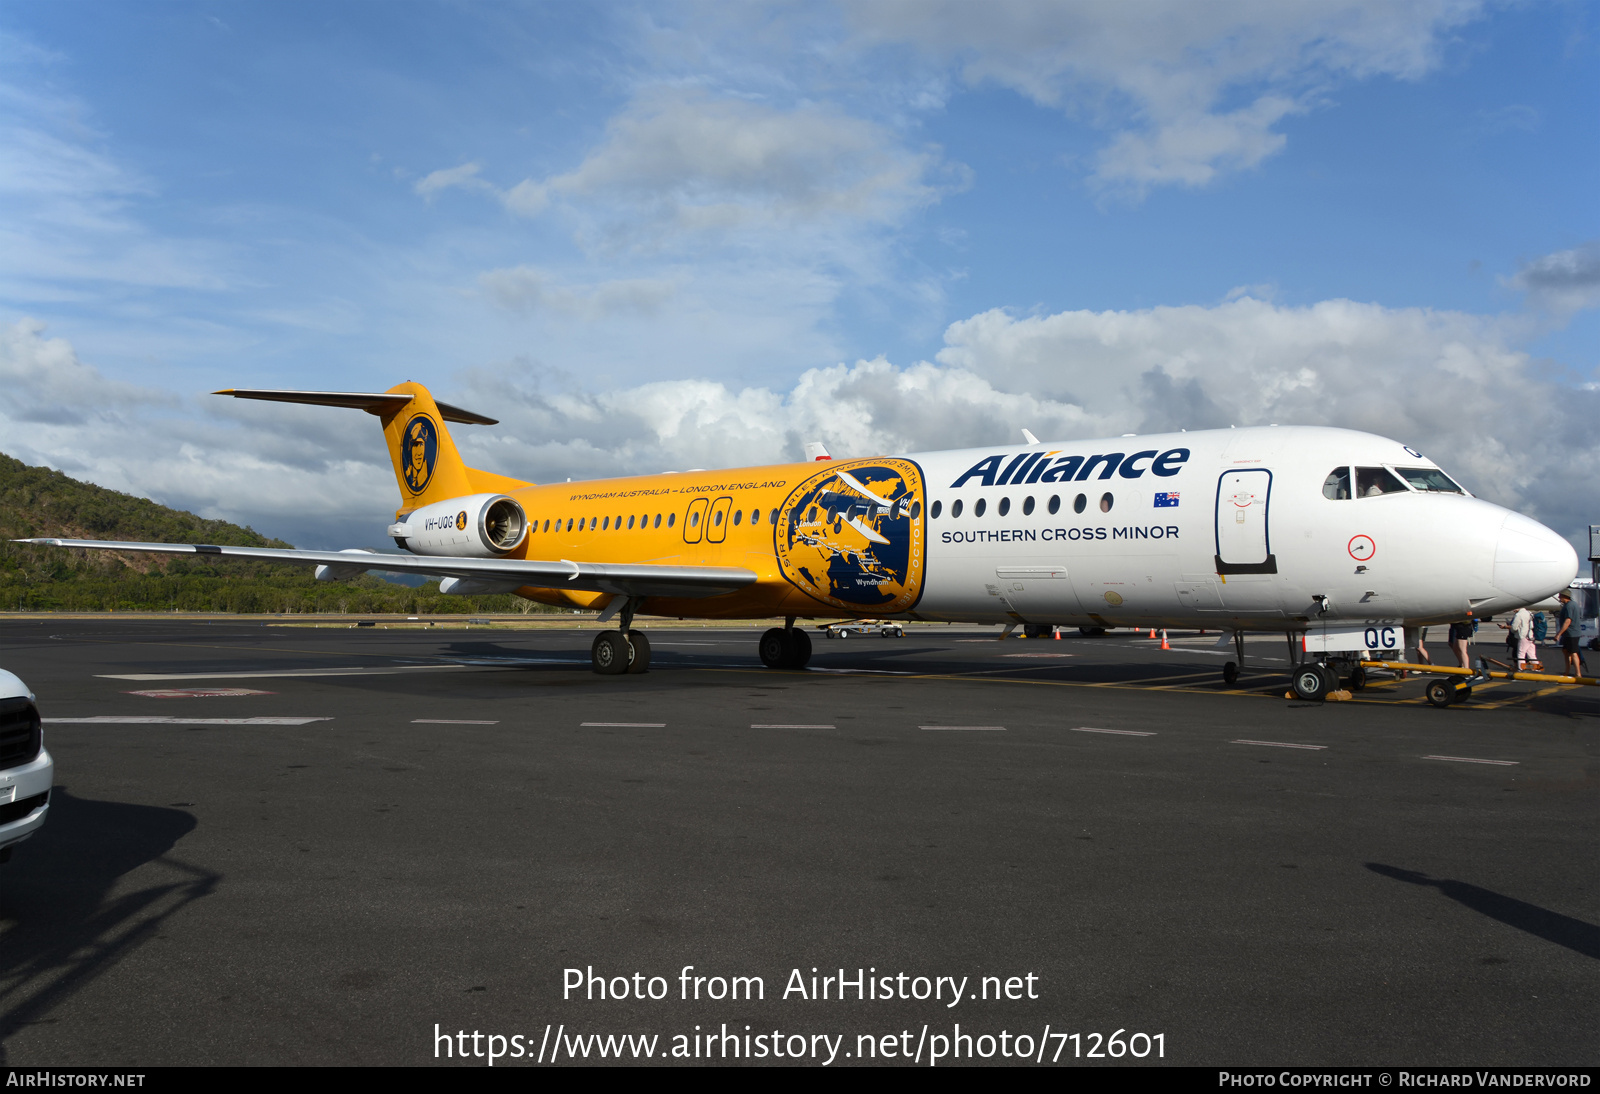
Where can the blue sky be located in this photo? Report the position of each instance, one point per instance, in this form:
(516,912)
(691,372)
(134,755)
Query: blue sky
(666,235)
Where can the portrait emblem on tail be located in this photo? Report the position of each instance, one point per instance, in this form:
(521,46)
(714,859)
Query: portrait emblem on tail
(419,451)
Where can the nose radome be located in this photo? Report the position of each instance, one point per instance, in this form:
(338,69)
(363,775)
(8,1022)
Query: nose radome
(1530,561)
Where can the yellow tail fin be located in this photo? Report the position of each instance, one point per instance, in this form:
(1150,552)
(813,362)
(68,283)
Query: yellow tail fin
(427,466)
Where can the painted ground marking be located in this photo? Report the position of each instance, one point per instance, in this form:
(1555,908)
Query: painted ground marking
(157,720)
(197,693)
(1279,744)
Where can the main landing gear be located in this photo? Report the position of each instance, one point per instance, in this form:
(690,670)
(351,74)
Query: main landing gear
(1230,671)
(622,651)
(785,647)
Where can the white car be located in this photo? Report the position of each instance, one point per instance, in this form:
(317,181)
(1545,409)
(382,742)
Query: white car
(864,626)
(26,769)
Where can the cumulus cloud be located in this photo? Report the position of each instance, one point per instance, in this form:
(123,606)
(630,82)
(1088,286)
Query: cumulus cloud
(46,383)
(680,161)
(1563,282)
(525,289)
(1164,74)
(1447,383)
(295,474)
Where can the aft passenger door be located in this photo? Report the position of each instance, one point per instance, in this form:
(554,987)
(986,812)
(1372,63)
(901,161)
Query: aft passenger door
(717,530)
(1244,541)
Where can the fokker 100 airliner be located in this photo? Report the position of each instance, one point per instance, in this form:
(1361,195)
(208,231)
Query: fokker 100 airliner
(1280,529)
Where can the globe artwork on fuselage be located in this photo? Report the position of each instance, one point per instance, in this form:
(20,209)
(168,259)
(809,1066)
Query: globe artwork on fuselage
(853,537)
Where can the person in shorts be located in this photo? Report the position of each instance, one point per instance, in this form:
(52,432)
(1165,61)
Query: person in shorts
(1567,632)
(1527,658)
(1460,635)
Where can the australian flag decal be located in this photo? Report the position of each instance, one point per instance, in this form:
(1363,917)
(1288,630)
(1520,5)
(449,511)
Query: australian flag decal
(1167,501)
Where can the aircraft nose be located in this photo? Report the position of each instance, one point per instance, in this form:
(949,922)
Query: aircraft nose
(1530,561)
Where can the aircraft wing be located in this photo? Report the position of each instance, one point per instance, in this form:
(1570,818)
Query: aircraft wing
(626,579)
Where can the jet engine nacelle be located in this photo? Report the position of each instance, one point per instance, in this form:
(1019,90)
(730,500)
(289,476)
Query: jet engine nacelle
(476,526)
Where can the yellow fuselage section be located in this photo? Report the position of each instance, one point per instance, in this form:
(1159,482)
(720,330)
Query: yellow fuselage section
(695,518)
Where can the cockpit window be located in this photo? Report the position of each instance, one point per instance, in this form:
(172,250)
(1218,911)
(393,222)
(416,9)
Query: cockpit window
(1429,480)
(1372,481)
(1336,487)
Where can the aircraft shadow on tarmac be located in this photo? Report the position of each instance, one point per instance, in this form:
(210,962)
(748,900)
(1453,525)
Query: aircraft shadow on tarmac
(62,924)
(1574,934)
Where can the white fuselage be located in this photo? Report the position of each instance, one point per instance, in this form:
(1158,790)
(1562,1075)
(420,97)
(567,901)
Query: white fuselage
(1242,536)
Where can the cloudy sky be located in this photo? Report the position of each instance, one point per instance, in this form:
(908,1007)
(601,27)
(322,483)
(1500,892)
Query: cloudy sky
(657,236)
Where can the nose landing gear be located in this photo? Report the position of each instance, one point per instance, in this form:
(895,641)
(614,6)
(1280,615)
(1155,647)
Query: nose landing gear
(1313,682)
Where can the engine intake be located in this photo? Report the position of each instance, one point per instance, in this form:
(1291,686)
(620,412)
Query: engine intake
(476,526)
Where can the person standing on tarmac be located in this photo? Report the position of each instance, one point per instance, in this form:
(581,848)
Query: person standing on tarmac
(1567,634)
(1460,635)
(1527,658)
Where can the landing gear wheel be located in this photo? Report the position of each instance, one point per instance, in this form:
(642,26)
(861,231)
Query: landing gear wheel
(799,649)
(1230,673)
(1091,632)
(1358,679)
(785,649)
(774,648)
(609,653)
(1441,693)
(1310,683)
(1332,678)
(640,661)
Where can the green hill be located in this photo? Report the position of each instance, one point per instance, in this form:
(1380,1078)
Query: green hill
(35,501)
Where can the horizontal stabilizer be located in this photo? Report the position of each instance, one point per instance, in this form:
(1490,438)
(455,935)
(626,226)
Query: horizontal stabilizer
(687,582)
(380,402)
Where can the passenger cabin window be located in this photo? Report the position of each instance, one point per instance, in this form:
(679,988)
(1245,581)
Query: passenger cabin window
(936,509)
(1429,480)
(1336,487)
(1372,481)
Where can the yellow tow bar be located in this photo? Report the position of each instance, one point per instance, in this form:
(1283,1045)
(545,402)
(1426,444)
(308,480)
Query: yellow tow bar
(1542,677)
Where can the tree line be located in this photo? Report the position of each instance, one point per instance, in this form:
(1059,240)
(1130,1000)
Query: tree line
(37,502)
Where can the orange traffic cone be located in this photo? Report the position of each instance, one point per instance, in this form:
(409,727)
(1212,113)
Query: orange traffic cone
(1164,641)
(1058,634)
(1152,632)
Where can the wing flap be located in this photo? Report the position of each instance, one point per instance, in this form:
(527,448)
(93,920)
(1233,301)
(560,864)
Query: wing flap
(632,579)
